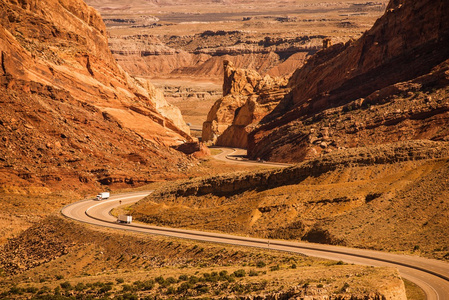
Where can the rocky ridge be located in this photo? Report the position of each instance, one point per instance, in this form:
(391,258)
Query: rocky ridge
(262,180)
(390,85)
(68,110)
(247,98)
(391,196)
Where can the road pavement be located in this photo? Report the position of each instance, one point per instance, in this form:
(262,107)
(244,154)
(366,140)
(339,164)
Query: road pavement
(431,275)
(238,156)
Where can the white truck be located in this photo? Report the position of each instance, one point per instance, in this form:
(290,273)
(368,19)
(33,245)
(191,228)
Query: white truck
(102,196)
(124,219)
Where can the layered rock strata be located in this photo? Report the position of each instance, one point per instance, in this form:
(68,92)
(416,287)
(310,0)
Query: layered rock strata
(203,54)
(68,108)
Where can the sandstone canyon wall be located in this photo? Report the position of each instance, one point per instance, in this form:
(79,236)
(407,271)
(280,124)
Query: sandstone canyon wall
(390,85)
(247,98)
(68,110)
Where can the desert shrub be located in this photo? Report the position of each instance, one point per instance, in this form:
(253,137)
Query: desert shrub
(193,279)
(59,277)
(213,277)
(66,285)
(127,296)
(253,273)
(202,289)
(240,273)
(127,288)
(275,268)
(120,280)
(184,287)
(170,290)
(241,288)
(293,266)
(144,285)
(171,280)
(183,277)
(32,290)
(160,280)
(223,273)
(15,291)
(106,288)
(80,286)
(261,264)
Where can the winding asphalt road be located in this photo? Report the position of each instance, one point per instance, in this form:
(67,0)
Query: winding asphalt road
(238,156)
(431,275)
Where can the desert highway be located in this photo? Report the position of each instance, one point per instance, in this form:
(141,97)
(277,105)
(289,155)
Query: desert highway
(238,156)
(431,275)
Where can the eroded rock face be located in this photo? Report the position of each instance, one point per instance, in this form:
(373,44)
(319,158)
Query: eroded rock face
(67,105)
(247,98)
(203,54)
(390,85)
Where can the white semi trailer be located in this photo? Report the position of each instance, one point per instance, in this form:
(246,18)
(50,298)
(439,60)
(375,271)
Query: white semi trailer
(102,196)
(124,219)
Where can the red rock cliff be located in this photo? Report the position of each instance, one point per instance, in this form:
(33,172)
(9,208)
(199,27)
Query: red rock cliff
(68,110)
(387,86)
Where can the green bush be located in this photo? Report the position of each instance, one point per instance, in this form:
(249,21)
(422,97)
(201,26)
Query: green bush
(202,289)
(240,273)
(80,286)
(128,296)
(170,280)
(144,285)
(32,290)
(127,288)
(193,279)
(66,285)
(106,288)
(15,291)
(275,268)
(223,273)
(184,287)
(261,264)
(160,280)
(171,290)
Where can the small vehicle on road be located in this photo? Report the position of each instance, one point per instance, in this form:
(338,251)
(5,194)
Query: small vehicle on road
(102,196)
(124,219)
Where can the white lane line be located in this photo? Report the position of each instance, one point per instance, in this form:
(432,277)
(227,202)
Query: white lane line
(116,199)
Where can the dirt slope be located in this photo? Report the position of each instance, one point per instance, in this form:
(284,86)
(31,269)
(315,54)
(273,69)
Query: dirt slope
(61,258)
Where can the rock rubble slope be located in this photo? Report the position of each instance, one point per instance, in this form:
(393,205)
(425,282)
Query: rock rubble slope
(69,111)
(390,85)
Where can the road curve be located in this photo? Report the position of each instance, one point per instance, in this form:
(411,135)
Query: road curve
(431,275)
(238,156)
